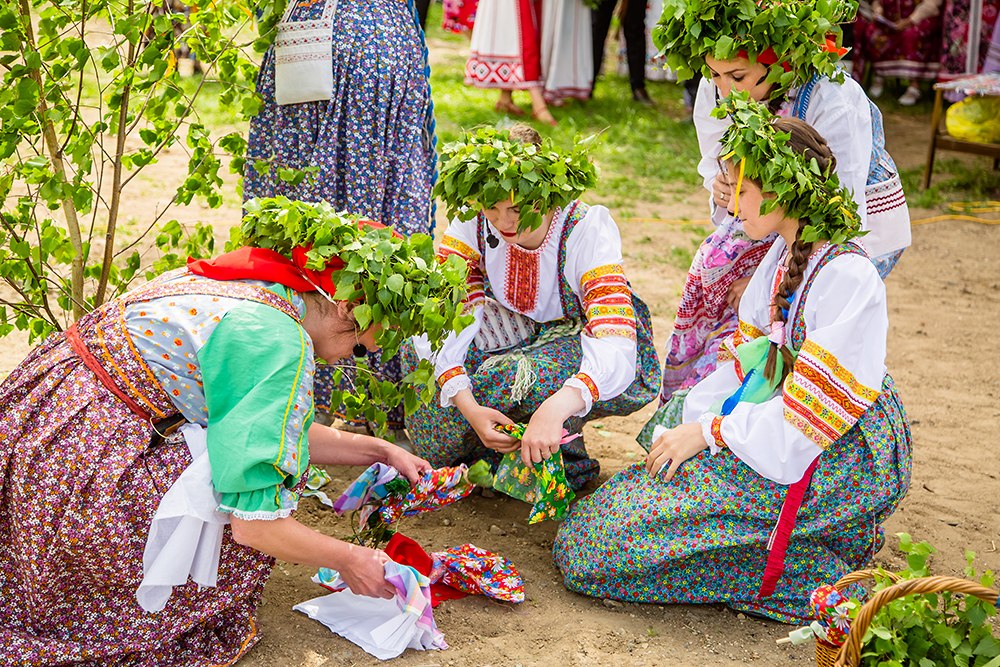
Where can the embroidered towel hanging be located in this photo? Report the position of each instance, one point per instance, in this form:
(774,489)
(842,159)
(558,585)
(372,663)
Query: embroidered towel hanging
(303,57)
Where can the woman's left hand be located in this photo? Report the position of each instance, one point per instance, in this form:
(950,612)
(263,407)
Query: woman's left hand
(542,438)
(675,447)
(409,466)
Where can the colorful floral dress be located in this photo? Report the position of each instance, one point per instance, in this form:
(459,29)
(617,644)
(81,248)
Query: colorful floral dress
(705,535)
(956,22)
(372,146)
(593,334)
(911,53)
(852,126)
(83,474)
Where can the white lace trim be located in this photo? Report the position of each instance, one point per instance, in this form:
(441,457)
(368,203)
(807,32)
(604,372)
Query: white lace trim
(260,515)
(451,388)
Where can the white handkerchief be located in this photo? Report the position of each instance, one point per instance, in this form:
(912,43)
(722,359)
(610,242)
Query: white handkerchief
(383,628)
(185,537)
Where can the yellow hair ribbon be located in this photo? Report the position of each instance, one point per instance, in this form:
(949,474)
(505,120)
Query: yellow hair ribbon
(739,187)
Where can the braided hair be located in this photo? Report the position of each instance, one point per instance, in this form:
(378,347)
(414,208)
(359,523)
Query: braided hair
(810,144)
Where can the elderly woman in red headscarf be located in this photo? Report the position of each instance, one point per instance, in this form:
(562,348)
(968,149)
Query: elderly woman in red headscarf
(227,346)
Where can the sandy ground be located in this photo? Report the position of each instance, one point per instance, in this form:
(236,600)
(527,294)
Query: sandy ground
(945,310)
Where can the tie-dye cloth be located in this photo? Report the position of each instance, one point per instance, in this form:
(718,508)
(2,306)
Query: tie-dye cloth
(381,489)
(383,628)
(543,485)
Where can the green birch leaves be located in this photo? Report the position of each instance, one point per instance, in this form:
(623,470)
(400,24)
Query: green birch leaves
(487,167)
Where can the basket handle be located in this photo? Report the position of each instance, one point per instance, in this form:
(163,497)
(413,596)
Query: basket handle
(850,653)
(861,575)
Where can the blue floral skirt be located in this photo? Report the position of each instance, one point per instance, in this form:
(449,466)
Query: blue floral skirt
(444,437)
(703,536)
(370,148)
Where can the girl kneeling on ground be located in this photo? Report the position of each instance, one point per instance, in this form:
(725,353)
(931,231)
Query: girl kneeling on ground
(796,73)
(776,472)
(559,337)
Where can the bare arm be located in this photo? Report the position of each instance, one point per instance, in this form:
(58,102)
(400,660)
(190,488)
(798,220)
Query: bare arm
(328,446)
(289,540)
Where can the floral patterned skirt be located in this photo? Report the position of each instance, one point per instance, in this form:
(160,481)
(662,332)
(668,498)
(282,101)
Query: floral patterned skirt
(703,536)
(911,53)
(444,437)
(79,487)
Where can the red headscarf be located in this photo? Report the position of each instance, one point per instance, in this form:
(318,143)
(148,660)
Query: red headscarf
(262,264)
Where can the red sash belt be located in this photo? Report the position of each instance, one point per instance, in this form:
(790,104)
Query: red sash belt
(91,362)
(777,544)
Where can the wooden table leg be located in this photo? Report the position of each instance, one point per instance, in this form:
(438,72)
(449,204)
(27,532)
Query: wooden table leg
(935,124)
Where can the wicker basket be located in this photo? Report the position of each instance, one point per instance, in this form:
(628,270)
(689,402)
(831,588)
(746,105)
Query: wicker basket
(849,655)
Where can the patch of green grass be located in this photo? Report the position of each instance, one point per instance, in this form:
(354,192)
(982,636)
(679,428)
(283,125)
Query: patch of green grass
(681,255)
(643,153)
(953,181)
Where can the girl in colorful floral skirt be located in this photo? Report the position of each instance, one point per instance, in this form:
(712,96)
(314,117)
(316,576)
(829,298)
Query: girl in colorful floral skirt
(776,472)
(105,511)
(795,72)
(559,337)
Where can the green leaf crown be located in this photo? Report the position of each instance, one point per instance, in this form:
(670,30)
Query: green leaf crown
(487,167)
(797,31)
(398,282)
(799,186)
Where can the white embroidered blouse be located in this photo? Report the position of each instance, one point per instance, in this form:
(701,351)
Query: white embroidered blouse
(840,112)
(528,282)
(837,376)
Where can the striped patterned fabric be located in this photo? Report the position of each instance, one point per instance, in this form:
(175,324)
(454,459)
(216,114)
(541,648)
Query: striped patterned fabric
(452,246)
(824,400)
(607,302)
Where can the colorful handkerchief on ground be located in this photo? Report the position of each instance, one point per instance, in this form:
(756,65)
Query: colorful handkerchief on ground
(318,478)
(543,484)
(478,572)
(405,551)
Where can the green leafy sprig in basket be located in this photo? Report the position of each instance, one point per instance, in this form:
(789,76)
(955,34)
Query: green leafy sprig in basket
(932,629)
(487,167)
(761,152)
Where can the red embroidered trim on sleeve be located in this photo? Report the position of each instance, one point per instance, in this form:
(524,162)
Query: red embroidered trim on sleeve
(449,374)
(717,433)
(595,393)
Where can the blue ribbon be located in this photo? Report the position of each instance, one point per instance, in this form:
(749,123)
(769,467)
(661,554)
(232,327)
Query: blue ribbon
(730,403)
